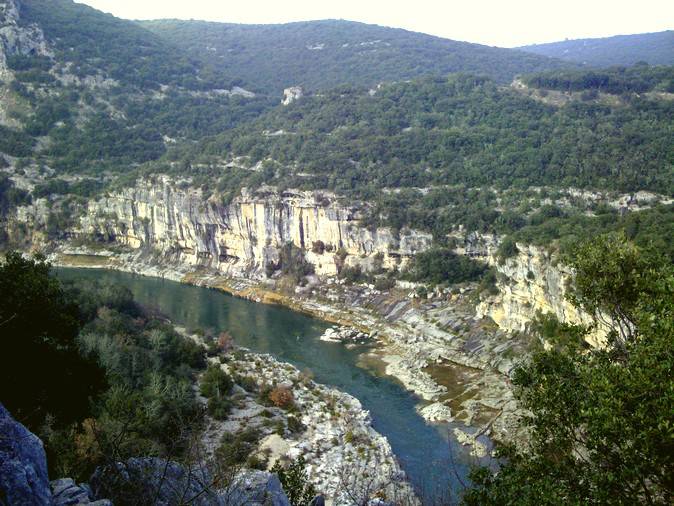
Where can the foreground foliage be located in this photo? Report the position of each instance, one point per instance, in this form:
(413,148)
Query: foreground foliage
(600,422)
(97,377)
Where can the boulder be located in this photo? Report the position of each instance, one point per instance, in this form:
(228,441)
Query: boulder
(168,483)
(165,481)
(23,465)
(65,492)
(291,94)
(256,488)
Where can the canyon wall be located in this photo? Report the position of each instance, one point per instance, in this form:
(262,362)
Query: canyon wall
(530,283)
(243,237)
(177,224)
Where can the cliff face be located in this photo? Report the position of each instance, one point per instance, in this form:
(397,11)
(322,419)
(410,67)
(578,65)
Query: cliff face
(529,283)
(246,235)
(180,226)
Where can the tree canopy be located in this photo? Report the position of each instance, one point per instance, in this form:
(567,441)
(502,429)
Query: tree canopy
(600,420)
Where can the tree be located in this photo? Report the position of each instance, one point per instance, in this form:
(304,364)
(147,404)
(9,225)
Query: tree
(612,277)
(42,371)
(600,423)
(216,385)
(295,482)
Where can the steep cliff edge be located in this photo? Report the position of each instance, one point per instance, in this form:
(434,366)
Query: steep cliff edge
(530,283)
(178,226)
(167,228)
(177,223)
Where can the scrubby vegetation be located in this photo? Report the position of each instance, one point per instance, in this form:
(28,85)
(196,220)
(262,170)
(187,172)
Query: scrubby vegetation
(616,80)
(600,419)
(215,385)
(452,131)
(114,380)
(11,196)
(443,266)
(293,477)
(274,57)
(654,48)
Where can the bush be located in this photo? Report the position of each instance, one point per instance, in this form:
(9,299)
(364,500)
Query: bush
(384,283)
(282,397)
(488,283)
(352,274)
(442,265)
(507,249)
(236,448)
(295,482)
(318,247)
(295,425)
(215,386)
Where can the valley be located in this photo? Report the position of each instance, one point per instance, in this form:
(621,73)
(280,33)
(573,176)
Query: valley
(332,261)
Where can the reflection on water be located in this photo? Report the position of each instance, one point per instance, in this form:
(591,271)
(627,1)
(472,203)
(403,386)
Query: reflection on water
(435,464)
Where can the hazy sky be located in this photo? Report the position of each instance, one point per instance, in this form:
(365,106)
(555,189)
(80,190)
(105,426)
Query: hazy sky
(495,22)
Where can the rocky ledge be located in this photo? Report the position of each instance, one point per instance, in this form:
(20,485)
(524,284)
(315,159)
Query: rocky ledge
(339,334)
(345,457)
(437,347)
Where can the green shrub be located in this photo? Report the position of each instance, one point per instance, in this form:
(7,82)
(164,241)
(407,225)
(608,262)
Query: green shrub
(215,385)
(507,249)
(442,265)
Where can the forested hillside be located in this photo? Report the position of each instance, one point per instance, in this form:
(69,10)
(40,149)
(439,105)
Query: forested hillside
(654,48)
(447,131)
(639,78)
(325,54)
(85,91)
(89,94)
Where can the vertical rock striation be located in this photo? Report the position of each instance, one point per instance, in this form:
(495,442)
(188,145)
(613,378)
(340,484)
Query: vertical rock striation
(243,237)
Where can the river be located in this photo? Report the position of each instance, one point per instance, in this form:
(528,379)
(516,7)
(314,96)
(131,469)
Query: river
(434,462)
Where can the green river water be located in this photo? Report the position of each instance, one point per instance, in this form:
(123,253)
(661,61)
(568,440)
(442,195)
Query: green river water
(435,464)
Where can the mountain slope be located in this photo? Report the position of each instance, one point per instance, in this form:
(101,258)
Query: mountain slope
(653,48)
(90,42)
(82,90)
(324,54)
(460,130)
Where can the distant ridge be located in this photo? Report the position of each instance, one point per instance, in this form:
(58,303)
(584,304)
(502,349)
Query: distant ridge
(653,48)
(328,53)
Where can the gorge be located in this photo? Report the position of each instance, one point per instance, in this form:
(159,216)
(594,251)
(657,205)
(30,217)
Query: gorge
(295,250)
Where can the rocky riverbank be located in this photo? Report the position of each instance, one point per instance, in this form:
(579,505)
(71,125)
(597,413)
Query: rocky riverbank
(346,459)
(437,348)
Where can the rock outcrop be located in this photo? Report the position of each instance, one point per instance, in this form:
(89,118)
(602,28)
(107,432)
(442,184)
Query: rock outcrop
(24,480)
(66,492)
(15,39)
(23,465)
(180,226)
(171,483)
(256,488)
(530,283)
(291,94)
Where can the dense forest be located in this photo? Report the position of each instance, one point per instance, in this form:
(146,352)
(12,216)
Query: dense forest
(113,367)
(325,54)
(457,130)
(639,78)
(89,42)
(109,94)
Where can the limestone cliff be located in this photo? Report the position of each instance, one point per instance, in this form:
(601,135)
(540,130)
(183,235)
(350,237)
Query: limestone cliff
(529,283)
(242,238)
(181,227)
